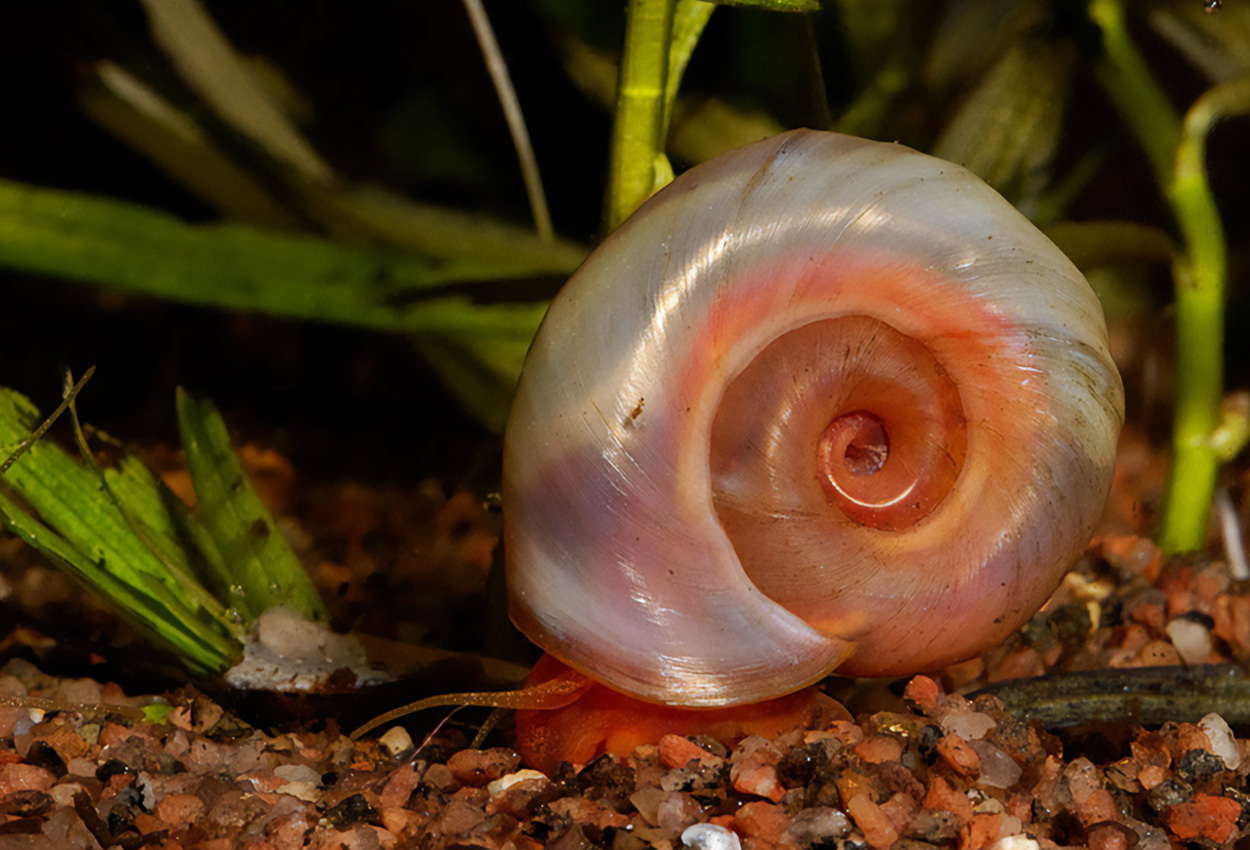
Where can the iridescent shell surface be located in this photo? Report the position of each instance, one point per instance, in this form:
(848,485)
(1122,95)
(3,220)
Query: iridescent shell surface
(696,507)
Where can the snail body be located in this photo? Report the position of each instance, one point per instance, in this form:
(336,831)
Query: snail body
(822,403)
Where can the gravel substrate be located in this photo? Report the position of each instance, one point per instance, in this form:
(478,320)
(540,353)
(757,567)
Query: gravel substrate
(946,772)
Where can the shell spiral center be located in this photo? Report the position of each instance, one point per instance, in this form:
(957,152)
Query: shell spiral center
(869,409)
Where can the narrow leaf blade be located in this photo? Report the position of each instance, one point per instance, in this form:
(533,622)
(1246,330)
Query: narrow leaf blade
(263,571)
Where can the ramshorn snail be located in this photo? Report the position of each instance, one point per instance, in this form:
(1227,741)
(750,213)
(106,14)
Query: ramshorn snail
(822,403)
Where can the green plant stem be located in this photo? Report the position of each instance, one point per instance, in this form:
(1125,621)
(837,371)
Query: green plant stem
(1127,81)
(1176,155)
(689,19)
(637,141)
(660,37)
(1201,273)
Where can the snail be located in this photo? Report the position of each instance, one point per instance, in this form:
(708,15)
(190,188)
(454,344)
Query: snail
(821,404)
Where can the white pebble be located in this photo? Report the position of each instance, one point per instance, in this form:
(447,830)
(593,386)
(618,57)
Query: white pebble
(969,725)
(307,791)
(1192,640)
(1223,744)
(505,782)
(397,741)
(1015,842)
(1011,825)
(709,836)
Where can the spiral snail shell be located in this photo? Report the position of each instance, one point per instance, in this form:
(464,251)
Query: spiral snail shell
(822,403)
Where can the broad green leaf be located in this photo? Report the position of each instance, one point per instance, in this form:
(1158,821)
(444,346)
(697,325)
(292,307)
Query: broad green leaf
(166,524)
(263,572)
(134,249)
(87,528)
(130,248)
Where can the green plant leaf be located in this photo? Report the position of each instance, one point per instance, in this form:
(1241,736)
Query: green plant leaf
(130,248)
(70,514)
(133,249)
(262,571)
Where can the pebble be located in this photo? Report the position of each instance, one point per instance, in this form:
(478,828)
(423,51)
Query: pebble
(676,810)
(1191,639)
(942,797)
(1206,817)
(1123,775)
(503,783)
(397,741)
(1158,653)
(754,769)
(955,751)
(922,694)
(1223,744)
(709,836)
(1110,836)
(1148,837)
(981,831)
(879,831)
(297,773)
(880,749)
(479,767)
(818,825)
(1015,842)
(758,779)
(762,820)
(1098,807)
(180,808)
(1081,777)
(677,751)
(998,770)
(971,725)
(24,777)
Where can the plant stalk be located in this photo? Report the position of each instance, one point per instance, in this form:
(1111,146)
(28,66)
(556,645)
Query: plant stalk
(637,134)
(1177,156)
(1201,275)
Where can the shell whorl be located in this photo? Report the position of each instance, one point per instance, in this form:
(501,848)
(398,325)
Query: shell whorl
(821,403)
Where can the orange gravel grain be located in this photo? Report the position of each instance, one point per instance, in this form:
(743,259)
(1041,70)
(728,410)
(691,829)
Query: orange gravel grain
(1205,817)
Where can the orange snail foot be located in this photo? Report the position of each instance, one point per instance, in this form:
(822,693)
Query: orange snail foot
(602,721)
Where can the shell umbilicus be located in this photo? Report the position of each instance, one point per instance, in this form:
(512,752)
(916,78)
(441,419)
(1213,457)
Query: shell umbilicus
(822,403)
